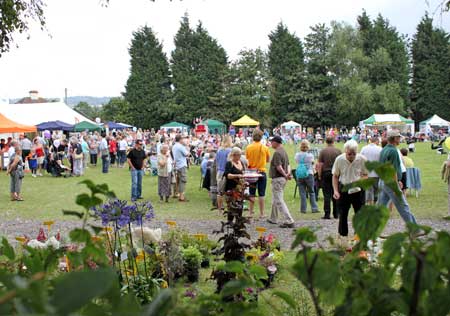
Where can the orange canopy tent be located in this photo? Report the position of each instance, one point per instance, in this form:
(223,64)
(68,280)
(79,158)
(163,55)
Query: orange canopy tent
(8,126)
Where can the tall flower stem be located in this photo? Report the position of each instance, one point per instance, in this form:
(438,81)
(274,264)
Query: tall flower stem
(117,235)
(145,259)
(133,261)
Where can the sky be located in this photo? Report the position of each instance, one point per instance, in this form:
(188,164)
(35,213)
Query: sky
(85,46)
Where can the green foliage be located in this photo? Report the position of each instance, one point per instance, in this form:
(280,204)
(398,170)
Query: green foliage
(286,66)
(430,80)
(192,256)
(90,111)
(148,86)
(247,88)
(198,68)
(116,110)
(15,17)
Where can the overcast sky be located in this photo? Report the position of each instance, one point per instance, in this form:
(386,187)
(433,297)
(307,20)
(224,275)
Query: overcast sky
(86,46)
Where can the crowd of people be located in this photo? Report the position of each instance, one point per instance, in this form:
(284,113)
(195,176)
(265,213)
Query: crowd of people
(225,161)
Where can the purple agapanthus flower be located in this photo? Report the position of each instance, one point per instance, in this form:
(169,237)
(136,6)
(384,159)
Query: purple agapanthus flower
(121,213)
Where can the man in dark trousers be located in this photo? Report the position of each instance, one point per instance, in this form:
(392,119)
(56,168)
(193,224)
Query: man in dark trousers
(136,160)
(327,157)
(390,154)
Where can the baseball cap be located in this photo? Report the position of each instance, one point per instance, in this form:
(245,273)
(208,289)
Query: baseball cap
(277,139)
(393,133)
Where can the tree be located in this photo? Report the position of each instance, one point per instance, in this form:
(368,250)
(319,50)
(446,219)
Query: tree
(246,88)
(286,66)
(381,42)
(90,111)
(116,110)
(148,86)
(430,78)
(15,17)
(198,67)
(318,93)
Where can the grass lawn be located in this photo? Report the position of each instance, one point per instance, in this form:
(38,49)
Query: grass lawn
(45,197)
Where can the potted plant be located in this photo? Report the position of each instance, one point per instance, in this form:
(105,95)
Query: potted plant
(192,259)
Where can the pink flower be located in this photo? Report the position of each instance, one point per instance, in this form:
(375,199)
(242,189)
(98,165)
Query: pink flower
(270,238)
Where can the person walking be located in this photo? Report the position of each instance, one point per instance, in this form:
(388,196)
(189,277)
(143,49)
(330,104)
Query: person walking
(104,153)
(180,154)
(164,173)
(349,167)
(280,173)
(327,157)
(258,156)
(305,177)
(221,161)
(16,172)
(122,150)
(372,153)
(136,159)
(25,145)
(389,154)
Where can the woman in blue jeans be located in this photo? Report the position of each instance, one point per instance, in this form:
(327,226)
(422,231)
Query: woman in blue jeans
(306,183)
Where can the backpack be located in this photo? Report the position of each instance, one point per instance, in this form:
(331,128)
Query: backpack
(302,171)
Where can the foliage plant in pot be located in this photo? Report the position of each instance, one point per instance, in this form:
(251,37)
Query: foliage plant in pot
(192,259)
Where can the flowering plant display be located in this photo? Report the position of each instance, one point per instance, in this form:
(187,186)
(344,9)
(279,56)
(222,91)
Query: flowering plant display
(120,213)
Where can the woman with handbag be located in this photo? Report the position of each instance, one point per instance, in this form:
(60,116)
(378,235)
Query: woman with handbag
(15,170)
(77,157)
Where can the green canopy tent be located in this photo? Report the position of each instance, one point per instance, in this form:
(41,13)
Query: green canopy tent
(216,126)
(175,125)
(83,126)
(392,120)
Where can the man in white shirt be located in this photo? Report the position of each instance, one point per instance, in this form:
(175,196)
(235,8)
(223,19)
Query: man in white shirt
(348,167)
(372,153)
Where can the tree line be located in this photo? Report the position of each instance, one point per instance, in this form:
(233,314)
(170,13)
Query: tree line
(338,74)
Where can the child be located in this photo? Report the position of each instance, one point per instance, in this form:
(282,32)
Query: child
(32,162)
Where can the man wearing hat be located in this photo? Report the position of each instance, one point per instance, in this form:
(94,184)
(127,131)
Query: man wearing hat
(280,173)
(390,154)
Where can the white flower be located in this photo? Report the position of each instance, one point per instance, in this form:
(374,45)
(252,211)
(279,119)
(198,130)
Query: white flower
(272,269)
(52,242)
(148,235)
(36,244)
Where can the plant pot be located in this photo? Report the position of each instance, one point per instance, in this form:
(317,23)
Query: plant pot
(205,263)
(192,275)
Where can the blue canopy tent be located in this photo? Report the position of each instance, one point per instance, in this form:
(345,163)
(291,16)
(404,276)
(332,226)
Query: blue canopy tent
(55,126)
(116,126)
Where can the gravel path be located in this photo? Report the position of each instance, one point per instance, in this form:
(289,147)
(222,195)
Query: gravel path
(325,228)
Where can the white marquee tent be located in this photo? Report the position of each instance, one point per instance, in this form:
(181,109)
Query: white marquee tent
(290,125)
(434,121)
(35,113)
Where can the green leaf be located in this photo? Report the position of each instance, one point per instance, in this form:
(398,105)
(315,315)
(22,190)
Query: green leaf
(258,271)
(392,248)
(234,266)
(162,304)
(286,298)
(74,290)
(73,213)
(80,235)
(304,234)
(97,229)
(369,222)
(363,183)
(235,287)
(7,250)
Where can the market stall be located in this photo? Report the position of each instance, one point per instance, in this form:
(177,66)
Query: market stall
(434,122)
(245,121)
(55,126)
(86,126)
(216,127)
(389,121)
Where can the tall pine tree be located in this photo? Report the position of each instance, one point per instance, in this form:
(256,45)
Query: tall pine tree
(286,67)
(319,93)
(431,64)
(148,86)
(247,90)
(198,67)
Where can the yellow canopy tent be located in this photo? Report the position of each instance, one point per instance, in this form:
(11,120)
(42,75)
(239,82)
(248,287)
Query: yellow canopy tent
(245,121)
